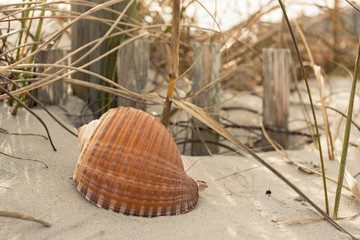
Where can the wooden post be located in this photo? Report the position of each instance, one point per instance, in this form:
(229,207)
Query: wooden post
(85,31)
(132,69)
(205,71)
(355,20)
(55,93)
(276,81)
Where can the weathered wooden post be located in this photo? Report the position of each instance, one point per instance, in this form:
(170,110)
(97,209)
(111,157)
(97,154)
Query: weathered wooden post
(54,93)
(132,69)
(85,31)
(205,71)
(276,81)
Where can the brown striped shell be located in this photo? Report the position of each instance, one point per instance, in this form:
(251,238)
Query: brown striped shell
(130,164)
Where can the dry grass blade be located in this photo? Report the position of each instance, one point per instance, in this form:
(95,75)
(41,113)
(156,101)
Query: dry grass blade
(56,35)
(102,39)
(202,116)
(23,217)
(18,47)
(353,5)
(10,33)
(353,184)
(53,77)
(119,91)
(316,219)
(320,79)
(174,60)
(343,115)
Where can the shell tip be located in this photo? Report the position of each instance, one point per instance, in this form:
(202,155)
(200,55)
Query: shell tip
(201,185)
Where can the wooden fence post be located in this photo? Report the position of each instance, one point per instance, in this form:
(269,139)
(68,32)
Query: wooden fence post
(132,69)
(85,31)
(205,71)
(54,93)
(276,82)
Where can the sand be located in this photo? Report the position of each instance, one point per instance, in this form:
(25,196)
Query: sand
(234,207)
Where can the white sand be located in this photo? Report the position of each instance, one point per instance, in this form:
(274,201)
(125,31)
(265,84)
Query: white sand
(232,208)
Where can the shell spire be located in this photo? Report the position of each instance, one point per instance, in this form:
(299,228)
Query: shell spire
(130,164)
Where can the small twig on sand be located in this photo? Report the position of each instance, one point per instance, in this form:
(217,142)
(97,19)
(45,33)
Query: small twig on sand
(22,134)
(23,217)
(25,159)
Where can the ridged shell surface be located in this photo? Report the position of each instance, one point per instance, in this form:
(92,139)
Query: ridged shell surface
(130,164)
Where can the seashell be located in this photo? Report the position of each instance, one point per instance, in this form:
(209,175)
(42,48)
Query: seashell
(130,164)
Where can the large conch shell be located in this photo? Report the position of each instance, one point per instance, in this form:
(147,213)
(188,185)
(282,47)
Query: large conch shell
(130,164)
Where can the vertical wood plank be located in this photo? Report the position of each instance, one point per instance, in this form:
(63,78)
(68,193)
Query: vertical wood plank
(54,93)
(132,67)
(205,71)
(83,32)
(276,82)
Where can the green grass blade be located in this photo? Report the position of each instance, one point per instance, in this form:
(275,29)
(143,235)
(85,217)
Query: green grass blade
(305,112)
(31,60)
(346,137)
(24,14)
(38,33)
(311,104)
